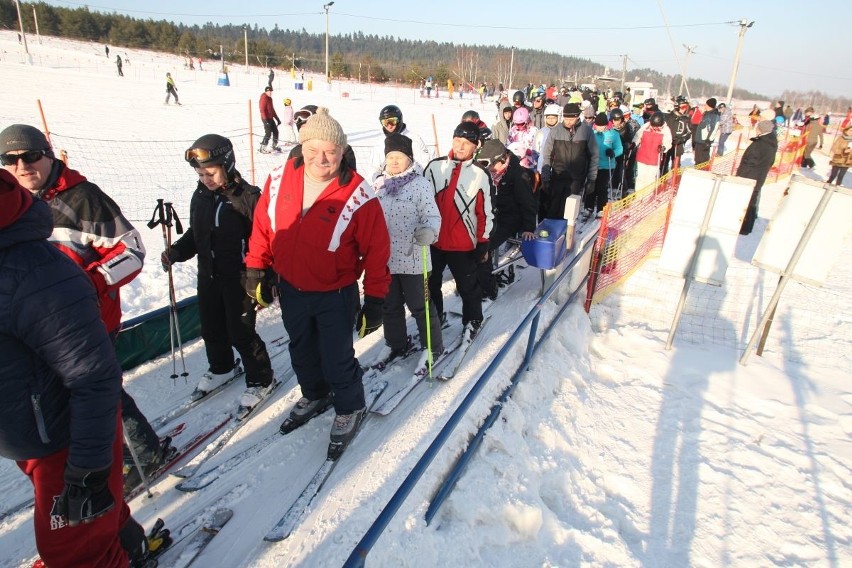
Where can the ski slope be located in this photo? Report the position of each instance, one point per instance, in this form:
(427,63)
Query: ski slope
(612,451)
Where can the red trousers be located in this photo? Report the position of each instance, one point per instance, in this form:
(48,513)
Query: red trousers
(88,545)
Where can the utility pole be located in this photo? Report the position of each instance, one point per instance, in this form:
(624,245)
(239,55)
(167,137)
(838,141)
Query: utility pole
(35,19)
(744,25)
(690,49)
(623,72)
(23,35)
(245,40)
(511,69)
(326,7)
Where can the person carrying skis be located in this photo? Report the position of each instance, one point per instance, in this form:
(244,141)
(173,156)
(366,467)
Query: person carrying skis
(90,228)
(319,227)
(171,89)
(413,222)
(220,224)
(390,117)
(269,118)
(463,193)
(67,437)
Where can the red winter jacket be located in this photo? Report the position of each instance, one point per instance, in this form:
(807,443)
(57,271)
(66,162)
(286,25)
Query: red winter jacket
(340,237)
(267,110)
(88,226)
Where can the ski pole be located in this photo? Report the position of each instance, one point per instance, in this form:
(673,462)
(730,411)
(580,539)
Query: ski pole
(428,318)
(137,464)
(159,218)
(172,214)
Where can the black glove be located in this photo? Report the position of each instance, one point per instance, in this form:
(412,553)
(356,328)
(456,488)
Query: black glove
(167,259)
(369,317)
(590,187)
(260,286)
(278,120)
(85,497)
(610,153)
(481,252)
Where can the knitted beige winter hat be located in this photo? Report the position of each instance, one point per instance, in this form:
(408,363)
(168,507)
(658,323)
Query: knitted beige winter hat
(321,126)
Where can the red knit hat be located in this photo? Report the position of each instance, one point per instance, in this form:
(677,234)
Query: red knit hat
(14,199)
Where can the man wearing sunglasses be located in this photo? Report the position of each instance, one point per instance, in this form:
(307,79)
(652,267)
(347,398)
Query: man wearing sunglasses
(463,193)
(89,228)
(390,117)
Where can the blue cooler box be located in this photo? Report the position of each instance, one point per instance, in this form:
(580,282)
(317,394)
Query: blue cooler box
(548,248)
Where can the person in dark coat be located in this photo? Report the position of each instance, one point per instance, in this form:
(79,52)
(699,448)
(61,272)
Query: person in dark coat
(756,162)
(220,214)
(90,228)
(60,392)
(514,206)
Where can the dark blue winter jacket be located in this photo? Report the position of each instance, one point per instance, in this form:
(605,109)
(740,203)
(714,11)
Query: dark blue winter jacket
(59,377)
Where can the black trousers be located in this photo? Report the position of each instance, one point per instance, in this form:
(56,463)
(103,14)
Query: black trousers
(561,188)
(227,320)
(463,267)
(599,198)
(269,129)
(701,152)
(408,290)
(321,326)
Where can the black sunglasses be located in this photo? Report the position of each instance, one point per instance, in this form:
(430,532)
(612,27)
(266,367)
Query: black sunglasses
(29,157)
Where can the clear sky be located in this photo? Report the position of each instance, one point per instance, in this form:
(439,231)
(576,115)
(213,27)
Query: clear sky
(790,46)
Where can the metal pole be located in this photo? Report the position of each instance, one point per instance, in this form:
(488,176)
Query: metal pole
(744,25)
(689,50)
(35,19)
(23,35)
(222,55)
(623,72)
(245,39)
(326,7)
(693,262)
(788,271)
(511,69)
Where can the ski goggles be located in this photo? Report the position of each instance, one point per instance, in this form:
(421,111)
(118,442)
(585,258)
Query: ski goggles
(28,157)
(198,156)
(390,121)
(490,162)
(302,116)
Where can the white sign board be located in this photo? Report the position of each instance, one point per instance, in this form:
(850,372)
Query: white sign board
(786,229)
(720,239)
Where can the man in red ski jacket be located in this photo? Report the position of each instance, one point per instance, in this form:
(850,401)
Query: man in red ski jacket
(319,227)
(270,121)
(463,193)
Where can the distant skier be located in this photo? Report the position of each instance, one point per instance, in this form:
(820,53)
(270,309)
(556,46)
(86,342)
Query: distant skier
(171,89)
(118,64)
(269,118)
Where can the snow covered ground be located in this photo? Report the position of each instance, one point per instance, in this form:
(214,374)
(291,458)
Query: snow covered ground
(612,451)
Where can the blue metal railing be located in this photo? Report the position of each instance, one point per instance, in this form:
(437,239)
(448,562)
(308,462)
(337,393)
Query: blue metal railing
(358,556)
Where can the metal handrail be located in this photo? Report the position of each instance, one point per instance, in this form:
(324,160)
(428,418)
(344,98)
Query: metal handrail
(358,556)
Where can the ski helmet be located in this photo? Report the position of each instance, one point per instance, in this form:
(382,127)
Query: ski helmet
(521,115)
(287,102)
(616,114)
(390,111)
(302,115)
(471,116)
(657,119)
(552,110)
(518,98)
(212,150)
